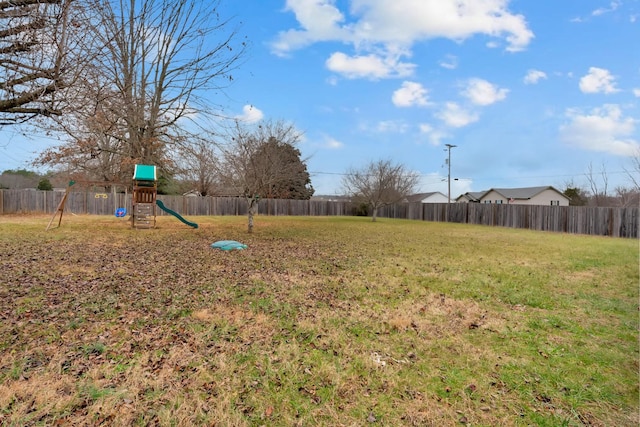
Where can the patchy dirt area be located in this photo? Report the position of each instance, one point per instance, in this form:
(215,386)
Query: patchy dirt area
(126,326)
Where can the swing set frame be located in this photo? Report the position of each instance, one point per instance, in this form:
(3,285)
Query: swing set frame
(82,183)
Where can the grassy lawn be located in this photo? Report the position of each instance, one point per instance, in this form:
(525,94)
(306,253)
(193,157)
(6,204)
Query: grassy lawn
(321,321)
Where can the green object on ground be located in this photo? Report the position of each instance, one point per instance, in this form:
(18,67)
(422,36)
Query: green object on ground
(145,173)
(176,214)
(228,245)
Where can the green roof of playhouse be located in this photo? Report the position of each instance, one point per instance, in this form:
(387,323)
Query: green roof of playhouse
(145,173)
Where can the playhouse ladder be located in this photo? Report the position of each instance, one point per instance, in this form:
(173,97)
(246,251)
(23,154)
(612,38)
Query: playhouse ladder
(144,205)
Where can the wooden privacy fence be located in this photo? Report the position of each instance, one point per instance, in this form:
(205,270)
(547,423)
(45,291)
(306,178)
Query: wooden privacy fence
(87,202)
(599,221)
(610,221)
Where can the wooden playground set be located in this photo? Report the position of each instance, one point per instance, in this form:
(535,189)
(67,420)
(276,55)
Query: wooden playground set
(144,200)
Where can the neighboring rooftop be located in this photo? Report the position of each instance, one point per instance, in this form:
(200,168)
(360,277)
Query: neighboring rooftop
(421,196)
(522,193)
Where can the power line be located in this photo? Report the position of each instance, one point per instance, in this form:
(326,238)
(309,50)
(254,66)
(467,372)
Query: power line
(577,174)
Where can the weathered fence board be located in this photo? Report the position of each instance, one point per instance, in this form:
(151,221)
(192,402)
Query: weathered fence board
(608,221)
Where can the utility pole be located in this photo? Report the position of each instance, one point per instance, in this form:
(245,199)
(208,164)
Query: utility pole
(449,147)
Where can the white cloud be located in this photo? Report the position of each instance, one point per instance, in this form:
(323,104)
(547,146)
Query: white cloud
(534,76)
(391,28)
(407,21)
(409,95)
(450,62)
(604,129)
(481,92)
(250,114)
(601,11)
(320,21)
(426,128)
(435,136)
(598,80)
(455,116)
(613,6)
(332,143)
(332,80)
(636,92)
(394,126)
(368,66)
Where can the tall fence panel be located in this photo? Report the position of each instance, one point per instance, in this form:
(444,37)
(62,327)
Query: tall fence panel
(601,221)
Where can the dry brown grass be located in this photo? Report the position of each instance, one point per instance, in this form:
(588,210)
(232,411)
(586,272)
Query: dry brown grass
(322,321)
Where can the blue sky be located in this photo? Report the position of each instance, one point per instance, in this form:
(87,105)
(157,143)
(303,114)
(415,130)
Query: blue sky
(530,92)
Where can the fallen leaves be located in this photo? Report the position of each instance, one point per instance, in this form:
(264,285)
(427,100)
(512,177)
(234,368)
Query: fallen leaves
(153,327)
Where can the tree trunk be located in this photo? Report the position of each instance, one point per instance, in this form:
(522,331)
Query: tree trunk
(253,209)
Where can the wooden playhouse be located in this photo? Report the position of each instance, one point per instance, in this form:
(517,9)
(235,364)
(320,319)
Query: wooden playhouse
(143,199)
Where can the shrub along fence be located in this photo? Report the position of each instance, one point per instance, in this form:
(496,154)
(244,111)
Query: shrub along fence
(610,221)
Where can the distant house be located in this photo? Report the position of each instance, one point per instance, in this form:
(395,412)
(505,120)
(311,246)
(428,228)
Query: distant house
(330,198)
(470,197)
(435,197)
(518,196)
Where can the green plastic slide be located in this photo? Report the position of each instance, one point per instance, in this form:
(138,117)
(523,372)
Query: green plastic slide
(176,214)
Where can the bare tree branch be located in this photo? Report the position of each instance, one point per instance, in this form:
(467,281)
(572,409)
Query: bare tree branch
(379,184)
(198,165)
(633,173)
(33,53)
(12,4)
(598,184)
(152,63)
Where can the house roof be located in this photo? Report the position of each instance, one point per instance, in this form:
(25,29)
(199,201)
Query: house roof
(145,173)
(421,196)
(522,193)
(473,196)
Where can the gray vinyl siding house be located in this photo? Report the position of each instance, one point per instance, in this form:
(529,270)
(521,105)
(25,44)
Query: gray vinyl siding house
(518,196)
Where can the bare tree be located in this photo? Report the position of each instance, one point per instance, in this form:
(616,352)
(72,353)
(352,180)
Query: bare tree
(380,183)
(633,172)
(598,184)
(94,147)
(198,166)
(164,57)
(255,164)
(626,197)
(34,57)
(155,66)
